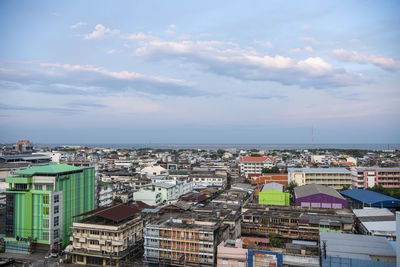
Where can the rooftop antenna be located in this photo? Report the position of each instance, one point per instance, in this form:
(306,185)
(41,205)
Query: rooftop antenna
(312,136)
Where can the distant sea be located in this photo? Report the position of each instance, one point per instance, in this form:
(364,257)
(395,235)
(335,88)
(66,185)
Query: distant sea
(237,146)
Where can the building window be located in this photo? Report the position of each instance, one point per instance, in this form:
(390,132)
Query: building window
(45,199)
(56,198)
(49,187)
(93,242)
(93,232)
(56,209)
(45,210)
(55,233)
(45,236)
(45,223)
(38,187)
(79,258)
(56,221)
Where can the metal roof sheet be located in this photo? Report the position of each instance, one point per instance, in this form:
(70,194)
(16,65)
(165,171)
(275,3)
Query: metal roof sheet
(312,189)
(319,170)
(49,169)
(272,186)
(356,246)
(372,212)
(368,196)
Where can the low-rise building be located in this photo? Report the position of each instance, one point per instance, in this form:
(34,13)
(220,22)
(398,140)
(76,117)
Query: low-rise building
(272,194)
(178,242)
(319,196)
(377,222)
(108,236)
(294,222)
(355,250)
(336,178)
(158,193)
(360,198)
(254,165)
(267,178)
(369,177)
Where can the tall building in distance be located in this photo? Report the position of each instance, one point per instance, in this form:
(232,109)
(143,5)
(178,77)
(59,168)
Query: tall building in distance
(42,203)
(23,146)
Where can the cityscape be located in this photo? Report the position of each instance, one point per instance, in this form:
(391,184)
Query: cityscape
(200,133)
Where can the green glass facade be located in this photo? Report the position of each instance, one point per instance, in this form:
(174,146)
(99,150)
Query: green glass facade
(42,201)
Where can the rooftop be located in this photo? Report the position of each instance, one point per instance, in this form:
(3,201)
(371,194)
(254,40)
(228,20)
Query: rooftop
(371,198)
(372,212)
(116,213)
(256,159)
(319,170)
(356,246)
(312,189)
(272,186)
(49,169)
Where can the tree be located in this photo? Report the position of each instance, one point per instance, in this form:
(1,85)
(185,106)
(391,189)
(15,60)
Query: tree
(118,199)
(272,170)
(291,186)
(275,241)
(345,187)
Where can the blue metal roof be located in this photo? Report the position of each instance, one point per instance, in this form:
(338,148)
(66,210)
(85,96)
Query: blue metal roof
(371,198)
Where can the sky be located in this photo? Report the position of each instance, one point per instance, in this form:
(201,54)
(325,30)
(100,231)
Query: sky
(270,72)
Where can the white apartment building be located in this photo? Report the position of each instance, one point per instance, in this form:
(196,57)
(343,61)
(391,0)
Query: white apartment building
(105,197)
(333,177)
(157,193)
(254,165)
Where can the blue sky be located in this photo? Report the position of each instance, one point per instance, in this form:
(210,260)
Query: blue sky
(200,72)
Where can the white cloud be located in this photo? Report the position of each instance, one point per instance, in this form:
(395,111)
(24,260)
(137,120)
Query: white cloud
(306,49)
(379,61)
(135,37)
(354,41)
(264,43)
(79,24)
(310,40)
(111,52)
(101,32)
(172,26)
(228,59)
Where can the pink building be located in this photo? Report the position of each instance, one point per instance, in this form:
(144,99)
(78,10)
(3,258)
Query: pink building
(231,253)
(371,176)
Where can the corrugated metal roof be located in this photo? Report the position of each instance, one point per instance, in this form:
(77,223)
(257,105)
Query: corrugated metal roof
(388,226)
(369,197)
(115,213)
(372,212)
(355,246)
(272,186)
(49,169)
(312,189)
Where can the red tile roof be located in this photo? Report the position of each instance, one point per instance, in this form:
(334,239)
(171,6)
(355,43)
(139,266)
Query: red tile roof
(116,213)
(256,159)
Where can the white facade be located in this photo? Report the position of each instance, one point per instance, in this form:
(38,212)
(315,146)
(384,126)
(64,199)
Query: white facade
(153,170)
(254,165)
(159,193)
(105,195)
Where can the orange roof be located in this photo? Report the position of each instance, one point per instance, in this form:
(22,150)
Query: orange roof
(256,159)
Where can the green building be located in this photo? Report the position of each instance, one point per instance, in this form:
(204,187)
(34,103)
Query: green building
(42,203)
(272,194)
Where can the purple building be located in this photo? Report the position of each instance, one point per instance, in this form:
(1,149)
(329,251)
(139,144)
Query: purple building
(319,196)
